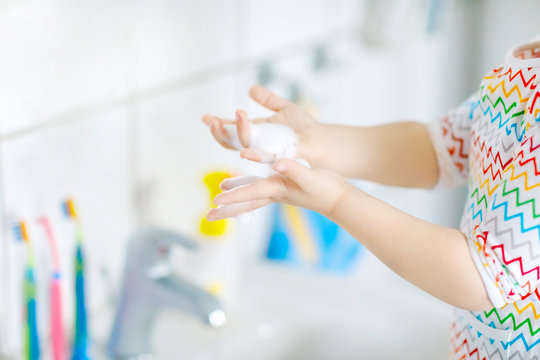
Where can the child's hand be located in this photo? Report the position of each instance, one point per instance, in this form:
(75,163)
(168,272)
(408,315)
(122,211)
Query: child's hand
(316,189)
(287,113)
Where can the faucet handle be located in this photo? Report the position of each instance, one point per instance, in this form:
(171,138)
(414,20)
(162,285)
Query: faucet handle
(154,244)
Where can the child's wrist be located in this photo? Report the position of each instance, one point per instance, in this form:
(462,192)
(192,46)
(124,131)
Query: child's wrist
(334,212)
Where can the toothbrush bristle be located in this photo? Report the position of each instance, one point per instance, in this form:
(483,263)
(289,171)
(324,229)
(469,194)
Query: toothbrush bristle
(64,208)
(17,232)
(69,208)
(23,231)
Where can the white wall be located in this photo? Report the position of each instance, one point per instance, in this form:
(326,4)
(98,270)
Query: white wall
(503,25)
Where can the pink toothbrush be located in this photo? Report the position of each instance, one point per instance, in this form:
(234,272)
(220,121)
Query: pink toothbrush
(57,330)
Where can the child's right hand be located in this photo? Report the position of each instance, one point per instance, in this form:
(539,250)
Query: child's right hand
(286,113)
(316,189)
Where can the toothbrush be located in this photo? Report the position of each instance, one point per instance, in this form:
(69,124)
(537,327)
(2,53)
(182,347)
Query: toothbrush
(59,348)
(80,346)
(31,338)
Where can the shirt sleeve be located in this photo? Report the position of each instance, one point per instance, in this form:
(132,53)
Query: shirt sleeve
(450,135)
(505,246)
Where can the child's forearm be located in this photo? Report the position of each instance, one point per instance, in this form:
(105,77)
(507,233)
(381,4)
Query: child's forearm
(398,154)
(432,257)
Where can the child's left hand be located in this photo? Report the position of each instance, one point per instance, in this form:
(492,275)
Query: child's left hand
(316,189)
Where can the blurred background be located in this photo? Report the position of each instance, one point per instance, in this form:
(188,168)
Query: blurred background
(100,102)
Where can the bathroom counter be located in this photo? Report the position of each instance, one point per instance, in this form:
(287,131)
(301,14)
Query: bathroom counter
(287,313)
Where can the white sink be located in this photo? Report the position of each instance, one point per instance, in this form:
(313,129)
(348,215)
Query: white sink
(284,313)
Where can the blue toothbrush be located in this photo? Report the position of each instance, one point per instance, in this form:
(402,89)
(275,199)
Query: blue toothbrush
(31,337)
(80,344)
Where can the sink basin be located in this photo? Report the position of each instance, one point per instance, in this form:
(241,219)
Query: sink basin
(284,313)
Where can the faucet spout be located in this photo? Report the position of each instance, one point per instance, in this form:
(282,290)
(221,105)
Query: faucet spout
(148,286)
(183,295)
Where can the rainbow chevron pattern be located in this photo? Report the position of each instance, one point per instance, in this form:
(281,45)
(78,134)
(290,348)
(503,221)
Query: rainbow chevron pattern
(492,143)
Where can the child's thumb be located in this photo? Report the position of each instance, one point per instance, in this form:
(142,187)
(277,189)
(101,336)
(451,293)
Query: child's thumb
(295,171)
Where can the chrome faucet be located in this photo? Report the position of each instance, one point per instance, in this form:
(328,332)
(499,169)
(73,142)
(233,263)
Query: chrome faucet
(149,285)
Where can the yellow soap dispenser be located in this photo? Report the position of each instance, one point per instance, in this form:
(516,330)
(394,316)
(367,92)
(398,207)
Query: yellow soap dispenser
(219,227)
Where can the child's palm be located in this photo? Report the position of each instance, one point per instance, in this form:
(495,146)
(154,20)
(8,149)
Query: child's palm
(312,188)
(286,113)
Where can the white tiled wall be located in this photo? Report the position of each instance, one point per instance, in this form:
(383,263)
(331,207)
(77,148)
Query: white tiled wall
(101,100)
(4,303)
(178,38)
(60,56)
(499,30)
(278,24)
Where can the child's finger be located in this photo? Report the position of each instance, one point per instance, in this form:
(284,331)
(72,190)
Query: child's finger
(299,174)
(207,118)
(214,129)
(261,189)
(226,211)
(229,134)
(251,155)
(266,98)
(242,126)
(276,119)
(257,156)
(234,182)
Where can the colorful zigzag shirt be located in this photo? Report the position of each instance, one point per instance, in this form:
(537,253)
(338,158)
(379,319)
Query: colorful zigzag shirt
(492,144)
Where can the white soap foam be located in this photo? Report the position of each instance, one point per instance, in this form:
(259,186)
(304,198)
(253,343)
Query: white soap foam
(272,142)
(232,137)
(245,218)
